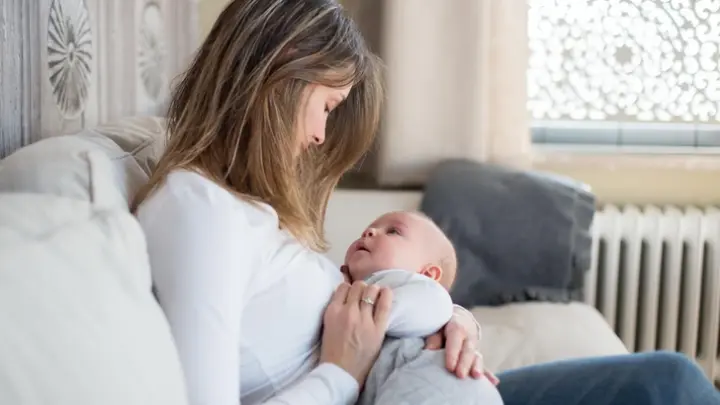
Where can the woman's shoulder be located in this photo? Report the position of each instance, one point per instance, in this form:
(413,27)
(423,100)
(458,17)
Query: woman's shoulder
(194,194)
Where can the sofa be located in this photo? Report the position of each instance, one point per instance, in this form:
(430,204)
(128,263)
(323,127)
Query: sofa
(79,322)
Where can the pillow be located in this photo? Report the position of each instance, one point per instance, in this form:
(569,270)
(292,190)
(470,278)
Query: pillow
(79,323)
(62,165)
(519,236)
(142,138)
(529,333)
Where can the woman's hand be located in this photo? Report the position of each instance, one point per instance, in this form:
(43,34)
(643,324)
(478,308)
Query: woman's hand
(354,330)
(460,337)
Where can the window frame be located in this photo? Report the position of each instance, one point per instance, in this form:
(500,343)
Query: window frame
(637,137)
(610,136)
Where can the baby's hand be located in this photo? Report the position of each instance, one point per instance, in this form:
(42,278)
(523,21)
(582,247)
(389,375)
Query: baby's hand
(345,270)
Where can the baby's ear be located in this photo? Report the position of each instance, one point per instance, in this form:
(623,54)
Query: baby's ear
(432,271)
(345,270)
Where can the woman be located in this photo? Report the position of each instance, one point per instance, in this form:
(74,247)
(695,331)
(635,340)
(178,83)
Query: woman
(282,98)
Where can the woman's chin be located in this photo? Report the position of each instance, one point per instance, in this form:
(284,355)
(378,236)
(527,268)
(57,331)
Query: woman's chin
(301,152)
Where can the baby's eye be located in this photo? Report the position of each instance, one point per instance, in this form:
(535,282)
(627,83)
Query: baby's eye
(393,231)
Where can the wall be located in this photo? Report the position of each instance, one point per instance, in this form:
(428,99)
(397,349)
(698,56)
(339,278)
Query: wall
(679,180)
(208,11)
(614,178)
(69,64)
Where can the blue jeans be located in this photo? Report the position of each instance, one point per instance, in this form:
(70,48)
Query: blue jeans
(658,378)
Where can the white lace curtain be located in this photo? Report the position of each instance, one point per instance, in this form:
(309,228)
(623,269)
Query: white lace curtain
(456,76)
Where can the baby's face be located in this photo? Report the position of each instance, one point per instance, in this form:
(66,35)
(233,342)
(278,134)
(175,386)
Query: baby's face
(398,240)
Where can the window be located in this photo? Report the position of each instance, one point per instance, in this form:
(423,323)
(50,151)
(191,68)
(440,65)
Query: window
(642,73)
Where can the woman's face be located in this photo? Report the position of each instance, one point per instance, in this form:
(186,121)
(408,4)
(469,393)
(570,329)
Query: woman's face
(319,104)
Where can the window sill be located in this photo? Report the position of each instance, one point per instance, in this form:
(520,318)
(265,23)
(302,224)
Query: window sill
(619,177)
(627,160)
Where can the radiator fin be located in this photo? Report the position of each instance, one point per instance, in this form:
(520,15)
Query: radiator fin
(655,277)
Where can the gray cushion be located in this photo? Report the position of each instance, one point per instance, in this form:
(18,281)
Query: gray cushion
(520,236)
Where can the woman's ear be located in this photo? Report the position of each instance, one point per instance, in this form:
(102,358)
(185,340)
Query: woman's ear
(432,271)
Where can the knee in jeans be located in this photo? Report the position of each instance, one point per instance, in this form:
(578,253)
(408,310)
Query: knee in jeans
(670,362)
(664,369)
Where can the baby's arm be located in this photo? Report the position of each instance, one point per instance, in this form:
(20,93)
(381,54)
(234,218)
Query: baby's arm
(421,306)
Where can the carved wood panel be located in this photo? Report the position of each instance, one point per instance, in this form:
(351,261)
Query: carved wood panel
(69,64)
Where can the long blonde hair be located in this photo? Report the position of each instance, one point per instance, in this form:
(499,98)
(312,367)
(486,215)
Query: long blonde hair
(232,117)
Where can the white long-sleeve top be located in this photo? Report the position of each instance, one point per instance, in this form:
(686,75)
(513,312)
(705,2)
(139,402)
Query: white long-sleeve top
(243,298)
(421,306)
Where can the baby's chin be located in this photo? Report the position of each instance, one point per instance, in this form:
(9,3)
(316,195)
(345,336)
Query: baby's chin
(359,271)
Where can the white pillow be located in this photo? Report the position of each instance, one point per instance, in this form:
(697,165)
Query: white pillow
(61,166)
(78,322)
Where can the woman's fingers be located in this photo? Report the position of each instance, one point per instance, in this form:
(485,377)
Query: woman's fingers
(492,377)
(455,335)
(434,341)
(382,308)
(356,293)
(340,294)
(467,360)
(478,369)
(371,294)
(351,340)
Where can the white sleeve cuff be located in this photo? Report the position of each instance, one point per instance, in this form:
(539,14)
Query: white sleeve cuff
(345,388)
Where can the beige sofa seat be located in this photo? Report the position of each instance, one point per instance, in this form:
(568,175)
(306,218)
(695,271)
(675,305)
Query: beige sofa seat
(514,335)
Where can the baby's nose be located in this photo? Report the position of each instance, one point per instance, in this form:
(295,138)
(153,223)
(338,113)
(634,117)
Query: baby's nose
(370,232)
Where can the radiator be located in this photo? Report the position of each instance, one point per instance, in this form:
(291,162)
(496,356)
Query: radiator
(655,277)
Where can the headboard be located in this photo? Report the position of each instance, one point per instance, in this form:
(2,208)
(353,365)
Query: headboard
(69,64)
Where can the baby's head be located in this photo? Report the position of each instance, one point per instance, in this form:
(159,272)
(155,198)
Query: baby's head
(403,240)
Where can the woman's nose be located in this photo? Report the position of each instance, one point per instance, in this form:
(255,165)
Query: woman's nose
(318,139)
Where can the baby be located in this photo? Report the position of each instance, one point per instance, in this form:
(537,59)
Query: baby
(408,253)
